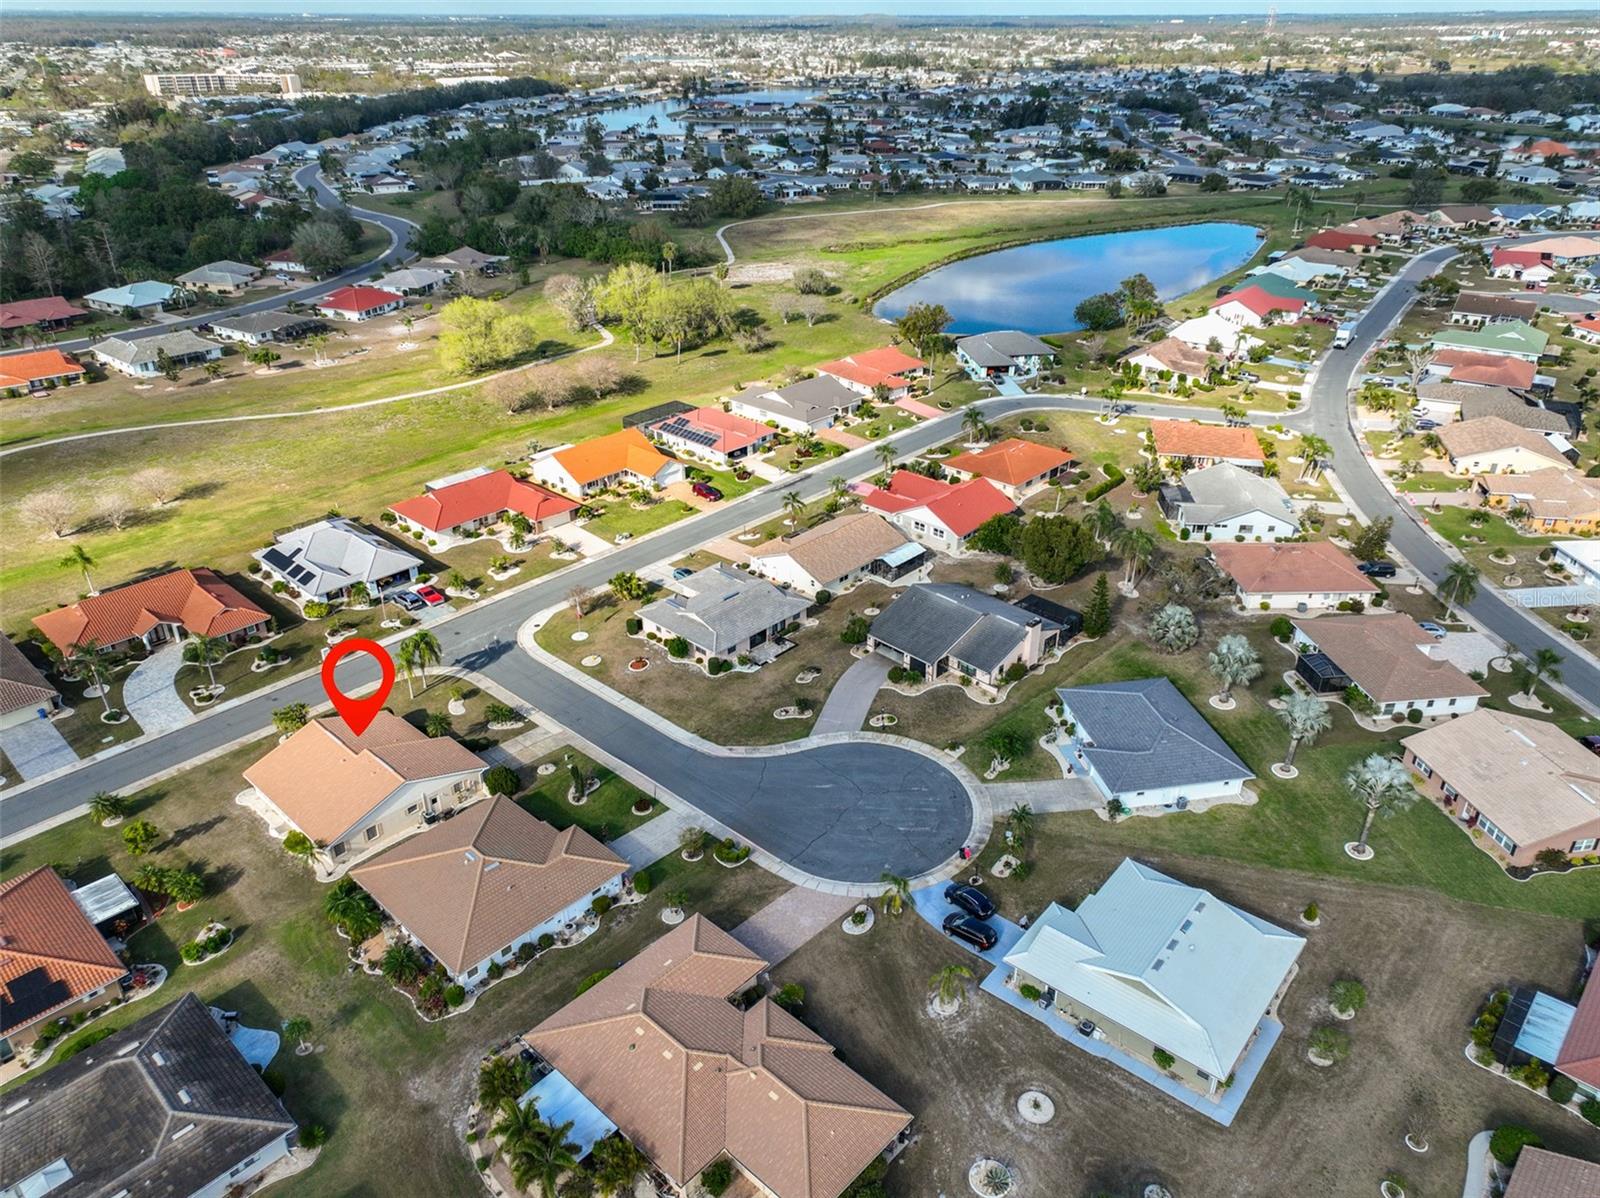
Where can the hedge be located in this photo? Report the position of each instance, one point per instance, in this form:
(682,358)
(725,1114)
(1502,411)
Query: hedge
(1114,478)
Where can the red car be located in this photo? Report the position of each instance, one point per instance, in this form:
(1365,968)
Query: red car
(706,491)
(432,596)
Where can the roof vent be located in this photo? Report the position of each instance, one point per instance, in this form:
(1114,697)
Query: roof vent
(17,1106)
(488,865)
(157,1058)
(471,856)
(183,1131)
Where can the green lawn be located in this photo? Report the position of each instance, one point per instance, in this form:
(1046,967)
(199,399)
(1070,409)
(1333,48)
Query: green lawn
(1432,482)
(606,814)
(621,518)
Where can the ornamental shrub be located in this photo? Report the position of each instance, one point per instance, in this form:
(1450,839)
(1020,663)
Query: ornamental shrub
(1164,1060)
(602,904)
(455,995)
(1030,992)
(634,625)
(1561,1088)
(642,884)
(1509,1140)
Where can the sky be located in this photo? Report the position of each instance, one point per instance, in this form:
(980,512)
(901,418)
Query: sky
(1188,9)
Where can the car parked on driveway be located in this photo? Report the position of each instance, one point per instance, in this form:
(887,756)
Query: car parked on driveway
(1378,569)
(706,491)
(970,899)
(408,600)
(975,932)
(432,596)
(1431,629)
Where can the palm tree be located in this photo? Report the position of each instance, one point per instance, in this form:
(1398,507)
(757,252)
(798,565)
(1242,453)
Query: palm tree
(949,985)
(1137,547)
(437,724)
(840,486)
(107,809)
(1020,823)
(208,650)
(973,422)
(351,908)
(1232,414)
(617,1165)
(319,341)
(886,457)
(896,894)
(1104,523)
(91,657)
(1233,663)
(549,1156)
(80,558)
(402,963)
(518,1125)
(1316,452)
(1381,784)
(676,900)
(669,251)
(417,652)
(794,506)
(213,371)
(1545,663)
(501,1082)
(1306,717)
(1460,586)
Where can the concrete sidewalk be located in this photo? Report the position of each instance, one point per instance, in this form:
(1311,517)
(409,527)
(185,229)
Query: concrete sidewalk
(652,841)
(791,919)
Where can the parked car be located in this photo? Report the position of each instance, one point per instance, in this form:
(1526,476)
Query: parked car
(1431,629)
(1377,569)
(976,933)
(681,573)
(1249,376)
(970,899)
(706,491)
(1592,743)
(1427,425)
(432,596)
(408,600)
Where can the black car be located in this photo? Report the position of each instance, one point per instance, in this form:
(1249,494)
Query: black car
(1377,569)
(963,927)
(1592,743)
(970,899)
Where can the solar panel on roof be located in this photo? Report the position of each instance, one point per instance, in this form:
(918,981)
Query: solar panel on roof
(276,558)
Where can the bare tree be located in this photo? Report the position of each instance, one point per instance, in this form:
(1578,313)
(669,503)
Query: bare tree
(786,307)
(39,261)
(1417,363)
(577,597)
(113,508)
(598,373)
(53,511)
(574,298)
(157,482)
(812,308)
(509,390)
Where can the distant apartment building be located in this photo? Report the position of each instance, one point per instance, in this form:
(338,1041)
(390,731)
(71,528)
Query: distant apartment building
(212,83)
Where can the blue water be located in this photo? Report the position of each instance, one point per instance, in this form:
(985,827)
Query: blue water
(1035,287)
(662,110)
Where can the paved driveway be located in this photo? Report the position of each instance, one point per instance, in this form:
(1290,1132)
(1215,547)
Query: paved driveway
(850,701)
(36,747)
(150,693)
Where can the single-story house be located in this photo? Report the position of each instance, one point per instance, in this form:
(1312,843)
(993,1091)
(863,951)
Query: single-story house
(147,298)
(888,367)
(1492,445)
(359,303)
(1155,965)
(1005,353)
(1540,1173)
(938,514)
(355,794)
(1587,330)
(1579,1056)
(1474,403)
(1253,306)
(1476,309)
(261,328)
(1582,558)
(25,693)
(621,457)
(1507,338)
(1481,369)
(1014,467)
(1529,266)
(53,960)
(50,312)
(167,607)
(474,889)
(477,499)
(808,406)
(1174,357)
(466,260)
(142,358)
(167,1106)
(836,554)
(712,435)
(324,560)
(1351,243)
(1143,744)
(37,369)
(940,629)
(1293,574)
(688,1077)
(1388,658)
(1558,500)
(415,280)
(1228,501)
(723,612)
(1523,783)
(285,262)
(1195,445)
(1213,335)
(220,278)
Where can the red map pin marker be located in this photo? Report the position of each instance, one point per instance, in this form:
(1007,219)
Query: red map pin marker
(358,713)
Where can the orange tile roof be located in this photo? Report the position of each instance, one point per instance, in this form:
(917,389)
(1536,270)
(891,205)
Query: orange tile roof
(470,886)
(628,450)
(475,498)
(21,684)
(1310,566)
(1579,1057)
(1190,439)
(1470,366)
(50,954)
(19,313)
(686,1076)
(18,370)
(325,778)
(199,601)
(1012,461)
(887,365)
(960,507)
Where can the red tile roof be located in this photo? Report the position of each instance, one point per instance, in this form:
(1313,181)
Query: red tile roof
(1332,239)
(358,299)
(25,312)
(50,954)
(1470,366)
(730,432)
(18,370)
(960,507)
(1259,301)
(475,498)
(1189,439)
(1579,1057)
(1506,256)
(197,600)
(1012,461)
(887,365)
(1310,566)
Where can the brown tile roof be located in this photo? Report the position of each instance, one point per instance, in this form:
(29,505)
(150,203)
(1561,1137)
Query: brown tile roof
(1385,656)
(1177,355)
(1012,461)
(1486,434)
(197,600)
(1310,566)
(1480,303)
(325,778)
(1191,439)
(1579,1057)
(470,886)
(50,954)
(1471,366)
(1555,493)
(1541,1173)
(686,1076)
(21,685)
(833,549)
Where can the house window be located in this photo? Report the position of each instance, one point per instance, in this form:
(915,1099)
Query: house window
(1495,834)
(1451,793)
(372,832)
(508,950)
(1584,846)
(411,810)
(473,972)
(1247,528)
(1422,767)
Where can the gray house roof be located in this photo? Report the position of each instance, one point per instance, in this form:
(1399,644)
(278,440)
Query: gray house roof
(933,620)
(806,400)
(224,272)
(1224,491)
(256,323)
(161,1109)
(331,554)
(1144,735)
(721,607)
(1003,347)
(181,344)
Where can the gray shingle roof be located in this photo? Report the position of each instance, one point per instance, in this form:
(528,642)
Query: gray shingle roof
(805,400)
(332,554)
(179,344)
(935,619)
(1003,347)
(720,607)
(1223,491)
(1144,735)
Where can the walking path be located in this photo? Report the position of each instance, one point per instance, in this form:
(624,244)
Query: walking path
(1477,1183)
(36,747)
(850,701)
(525,748)
(791,919)
(150,694)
